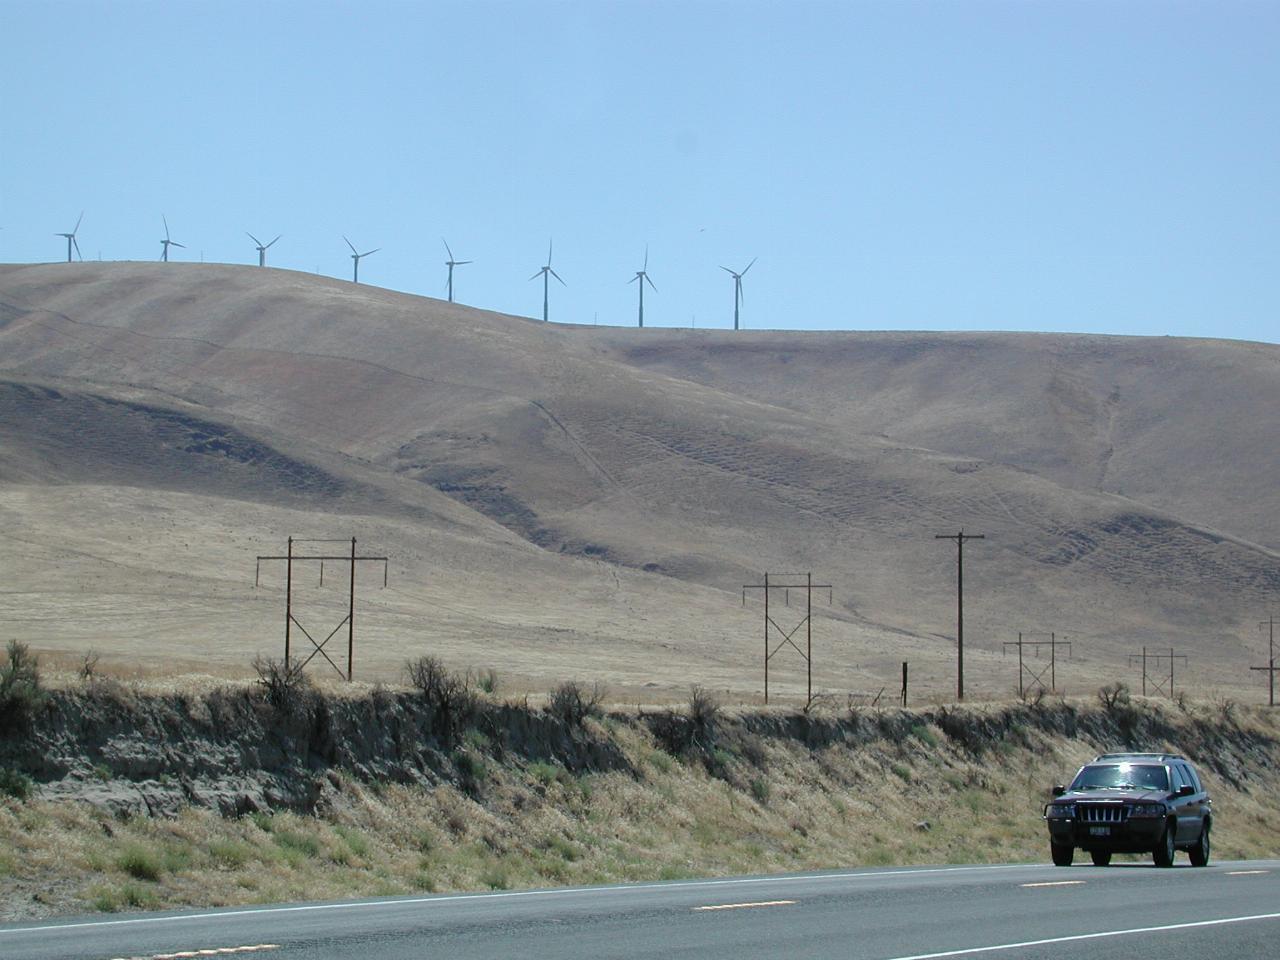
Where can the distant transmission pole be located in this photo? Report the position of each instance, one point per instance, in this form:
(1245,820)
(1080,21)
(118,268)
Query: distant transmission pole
(1270,668)
(1157,683)
(960,539)
(349,621)
(1037,676)
(788,582)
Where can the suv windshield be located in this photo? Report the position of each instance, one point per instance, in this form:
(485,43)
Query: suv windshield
(1100,776)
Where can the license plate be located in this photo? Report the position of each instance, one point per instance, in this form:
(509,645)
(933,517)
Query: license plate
(1099,831)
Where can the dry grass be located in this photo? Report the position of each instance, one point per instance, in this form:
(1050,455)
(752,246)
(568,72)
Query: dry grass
(748,805)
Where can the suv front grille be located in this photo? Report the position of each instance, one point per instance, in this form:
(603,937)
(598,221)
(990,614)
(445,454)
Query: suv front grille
(1101,812)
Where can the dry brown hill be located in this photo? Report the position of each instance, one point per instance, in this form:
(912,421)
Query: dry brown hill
(560,500)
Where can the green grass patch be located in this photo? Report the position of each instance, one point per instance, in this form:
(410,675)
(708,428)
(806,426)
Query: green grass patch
(298,843)
(925,735)
(140,862)
(15,784)
(229,854)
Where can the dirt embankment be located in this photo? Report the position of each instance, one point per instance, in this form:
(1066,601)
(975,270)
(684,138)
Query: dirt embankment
(140,800)
(234,751)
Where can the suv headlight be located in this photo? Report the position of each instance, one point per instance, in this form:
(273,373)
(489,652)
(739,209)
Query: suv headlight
(1147,810)
(1060,811)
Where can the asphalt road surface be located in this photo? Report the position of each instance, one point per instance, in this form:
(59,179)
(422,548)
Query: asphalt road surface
(1227,911)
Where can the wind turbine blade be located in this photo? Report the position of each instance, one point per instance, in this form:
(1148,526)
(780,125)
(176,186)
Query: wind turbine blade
(166,226)
(349,243)
(727,270)
(374,250)
(253,238)
(635,278)
(446,247)
(458,263)
(646,257)
(278,236)
(650,282)
(76,244)
(538,274)
(549,242)
(557,276)
(77,227)
(175,243)
(748,266)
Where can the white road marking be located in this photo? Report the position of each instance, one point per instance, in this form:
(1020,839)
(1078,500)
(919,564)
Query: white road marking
(512,894)
(743,906)
(1057,883)
(215,952)
(971,951)
(1246,873)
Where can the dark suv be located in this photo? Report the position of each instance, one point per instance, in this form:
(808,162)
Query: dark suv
(1131,803)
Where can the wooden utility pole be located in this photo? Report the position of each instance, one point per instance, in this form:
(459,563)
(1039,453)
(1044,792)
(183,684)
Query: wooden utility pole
(1270,668)
(960,539)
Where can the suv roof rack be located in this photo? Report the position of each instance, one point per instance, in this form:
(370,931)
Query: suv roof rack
(1131,755)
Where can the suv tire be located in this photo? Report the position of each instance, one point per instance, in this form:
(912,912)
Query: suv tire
(1062,854)
(1199,854)
(1164,851)
(1101,858)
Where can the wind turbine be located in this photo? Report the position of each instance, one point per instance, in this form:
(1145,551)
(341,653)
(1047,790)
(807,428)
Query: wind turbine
(355,276)
(166,243)
(451,263)
(737,288)
(545,272)
(262,247)
(642,277)
(71,238)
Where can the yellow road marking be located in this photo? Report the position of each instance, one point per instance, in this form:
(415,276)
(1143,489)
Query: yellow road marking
(1245,873)
(1057,883)
(740,906)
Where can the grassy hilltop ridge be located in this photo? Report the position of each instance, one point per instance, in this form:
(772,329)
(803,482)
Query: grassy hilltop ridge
(561,500)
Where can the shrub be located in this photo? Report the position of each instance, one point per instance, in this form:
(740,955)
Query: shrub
(286,686)
(15,784)
(449,696)
(140,863)
(1113,696)
(760,790)
(573,702)
(704,711)
(545,773)
(89,666)
(487,681)
(20,693)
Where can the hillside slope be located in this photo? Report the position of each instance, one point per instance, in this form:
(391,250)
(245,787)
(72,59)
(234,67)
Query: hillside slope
(568,500)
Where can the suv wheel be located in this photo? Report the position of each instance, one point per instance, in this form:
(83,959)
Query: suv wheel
(1062,854)
(1100,857)
(1200,852)
(1163,854)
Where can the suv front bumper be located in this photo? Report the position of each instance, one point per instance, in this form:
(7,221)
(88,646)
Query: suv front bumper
(1134,835)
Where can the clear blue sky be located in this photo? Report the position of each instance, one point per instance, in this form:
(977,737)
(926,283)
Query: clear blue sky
(1081,166)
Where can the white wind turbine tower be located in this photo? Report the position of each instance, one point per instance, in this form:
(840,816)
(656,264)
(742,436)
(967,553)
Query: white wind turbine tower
(71,238)
(262,247)
(451,263)
(546,272)
(356,257)
(642,277)
(166,243)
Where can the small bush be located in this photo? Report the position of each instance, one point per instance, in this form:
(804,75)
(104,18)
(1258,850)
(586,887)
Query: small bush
(573,702)
(760,790)
(89,666)
(302,843)
(286,686)
(543,772)
(20,693)
(1114,696)
(450,697)
(924,735)
(229,853)
(704,711)
(15,784)
(140,863)
(471,767)
(487,681)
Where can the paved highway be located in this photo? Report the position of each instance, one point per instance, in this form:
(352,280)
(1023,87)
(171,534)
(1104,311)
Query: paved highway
(1230,911)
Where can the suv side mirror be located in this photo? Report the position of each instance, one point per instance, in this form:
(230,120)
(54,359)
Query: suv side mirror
(1059,790)
(1186,790)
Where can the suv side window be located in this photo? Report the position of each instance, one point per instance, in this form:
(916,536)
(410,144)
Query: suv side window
(1189,776)
(1175,780)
